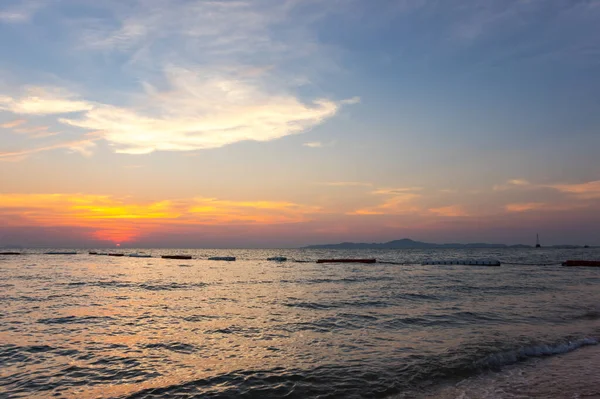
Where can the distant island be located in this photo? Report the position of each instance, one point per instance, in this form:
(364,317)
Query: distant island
(407,243)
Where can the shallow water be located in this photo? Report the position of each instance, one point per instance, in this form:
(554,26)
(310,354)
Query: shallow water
(86,326)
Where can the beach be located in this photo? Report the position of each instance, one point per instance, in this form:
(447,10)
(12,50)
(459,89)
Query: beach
(566,376)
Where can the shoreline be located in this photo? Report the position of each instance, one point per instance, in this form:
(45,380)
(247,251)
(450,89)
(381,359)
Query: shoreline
(569,375)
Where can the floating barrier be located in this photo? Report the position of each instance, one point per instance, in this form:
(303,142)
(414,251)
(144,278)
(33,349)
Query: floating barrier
(139,256)
(588,263)
(176,256)
(463,262)
(225,258)
(278,258)
(347,261)
(10,253)
(61,253)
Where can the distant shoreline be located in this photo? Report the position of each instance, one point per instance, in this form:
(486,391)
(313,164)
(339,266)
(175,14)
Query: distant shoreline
(407,243)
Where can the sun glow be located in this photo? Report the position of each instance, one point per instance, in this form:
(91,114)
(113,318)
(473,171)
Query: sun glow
(122,220)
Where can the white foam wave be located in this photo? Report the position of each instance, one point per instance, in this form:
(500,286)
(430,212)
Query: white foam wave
(504,358)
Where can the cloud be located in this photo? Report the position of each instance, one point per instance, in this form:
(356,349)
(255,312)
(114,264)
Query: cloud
(36,131)
(589,190)
(395,191)
(196,112)
(512,184)
(351,101)
(213,73)
(13,124)
(524,207)
(21,12)
(202,112)
(519,182)
(83,147)
(44,101)
(313,144)
(345,184)
(449,211)
(398,204)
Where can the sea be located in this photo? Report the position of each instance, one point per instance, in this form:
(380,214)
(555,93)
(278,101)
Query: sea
(84,326)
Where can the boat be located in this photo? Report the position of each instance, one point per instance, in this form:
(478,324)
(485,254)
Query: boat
(93,253)
(278,258)
(116,254)
(588,263)
(10,253)
(537,241)
(176,256)
(61,253)
(225,258)
(484,262)
(346,260)
(139,256)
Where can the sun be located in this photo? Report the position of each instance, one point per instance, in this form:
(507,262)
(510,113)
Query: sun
(118,245)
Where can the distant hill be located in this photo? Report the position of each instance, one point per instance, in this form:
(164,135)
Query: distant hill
(407,243)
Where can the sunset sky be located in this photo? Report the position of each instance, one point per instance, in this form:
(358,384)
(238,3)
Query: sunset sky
(281,123)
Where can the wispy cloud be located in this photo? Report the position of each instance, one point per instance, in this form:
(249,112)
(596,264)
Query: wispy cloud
(198,111)
(588,190)
(36,131)
(44,101)
(398,204)
(449,211)
(83,147)
(20,12)
(313,144)
(353,100)
(396,191)
(512,184)
(13,124)
(345,184)
(524,207)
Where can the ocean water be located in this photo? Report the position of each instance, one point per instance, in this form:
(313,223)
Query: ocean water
(87,326)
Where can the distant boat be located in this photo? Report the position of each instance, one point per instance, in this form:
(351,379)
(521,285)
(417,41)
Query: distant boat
(537,241)
(176,256)
(116,254)
(61,253)
(93,253)
(139,256)
(347,261)
(278,258)
(225,258)
(10,253)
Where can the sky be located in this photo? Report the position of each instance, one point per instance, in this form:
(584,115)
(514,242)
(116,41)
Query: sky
(283,123)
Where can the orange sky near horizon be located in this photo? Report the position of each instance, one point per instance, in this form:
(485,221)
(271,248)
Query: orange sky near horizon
(112,219)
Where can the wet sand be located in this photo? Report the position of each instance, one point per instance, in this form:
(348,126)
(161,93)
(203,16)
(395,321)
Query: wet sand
(571,375)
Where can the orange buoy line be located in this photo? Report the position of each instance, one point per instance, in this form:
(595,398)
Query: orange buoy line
(346,260)
(592,263)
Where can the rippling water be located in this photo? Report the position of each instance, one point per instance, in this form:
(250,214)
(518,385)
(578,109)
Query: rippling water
(88,327)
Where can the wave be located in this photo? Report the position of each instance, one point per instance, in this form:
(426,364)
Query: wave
(127,284)
(74,320)
(498,360)
(364,380)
